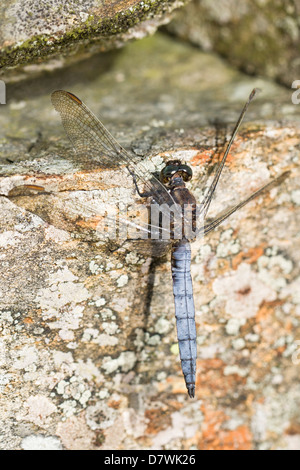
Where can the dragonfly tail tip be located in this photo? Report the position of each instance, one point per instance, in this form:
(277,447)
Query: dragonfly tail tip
(191,390)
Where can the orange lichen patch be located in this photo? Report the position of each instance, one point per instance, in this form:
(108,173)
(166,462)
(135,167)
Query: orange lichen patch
(232,157)
(223,266)
(211,381)
(249,400)
(28,320)
(192,442)
(288,325)
(91,223)
(177,385)
(267,357)
(250,256)
(115,404)
(266,309)
(203,156)
(175,405)
(213,420)
(237,152)
(239,439)
(159,419)
(216,438)
(294,428)
(81,180)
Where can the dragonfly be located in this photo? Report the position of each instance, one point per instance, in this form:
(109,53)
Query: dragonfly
(95,145)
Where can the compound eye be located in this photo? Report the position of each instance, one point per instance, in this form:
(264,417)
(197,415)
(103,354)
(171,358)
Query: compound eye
(167,173)
(186,173)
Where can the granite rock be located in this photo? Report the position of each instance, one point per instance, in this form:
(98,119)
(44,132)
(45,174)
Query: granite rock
(88,351)
(260,38)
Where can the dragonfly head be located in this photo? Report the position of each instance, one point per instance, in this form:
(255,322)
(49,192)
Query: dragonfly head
(175,173)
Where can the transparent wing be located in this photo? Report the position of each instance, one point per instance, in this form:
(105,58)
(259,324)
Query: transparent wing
(208,198)
(83,214)
(225,214)
(92,141)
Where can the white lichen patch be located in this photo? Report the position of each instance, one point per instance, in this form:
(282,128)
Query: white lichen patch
(61,299)
(227,245)
(107,314)
(204,251)
(252,337)
(122,281)
(68,407)
(68,320)
(65,334)
(95,268)
(100,416)
(119,304)
(64,362)
(92,335)
(233,325)
(272,414)
(5,379)
(203,257)
(133,258)
(274,268)
(184,426)
(211,351)
(162,326)
(226,235)
(87,370)
(231,247)
(109,266)
(243,292)
(36,442)
(110,328)
(36,410)
(153,340)
(229,370)
(292,290)
(100,302)
(74,389)
(139,339)
(56,235)
(6,317)
(125,362)
(238,344)
(296,196)
(25,358)
(9,238)
(134,423)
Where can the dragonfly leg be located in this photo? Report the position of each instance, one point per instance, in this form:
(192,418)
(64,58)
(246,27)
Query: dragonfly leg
(141,194)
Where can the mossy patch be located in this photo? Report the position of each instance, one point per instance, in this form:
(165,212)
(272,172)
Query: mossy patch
(104,31)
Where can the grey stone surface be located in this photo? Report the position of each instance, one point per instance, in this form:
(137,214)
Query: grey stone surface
(261,38)
(32,31)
